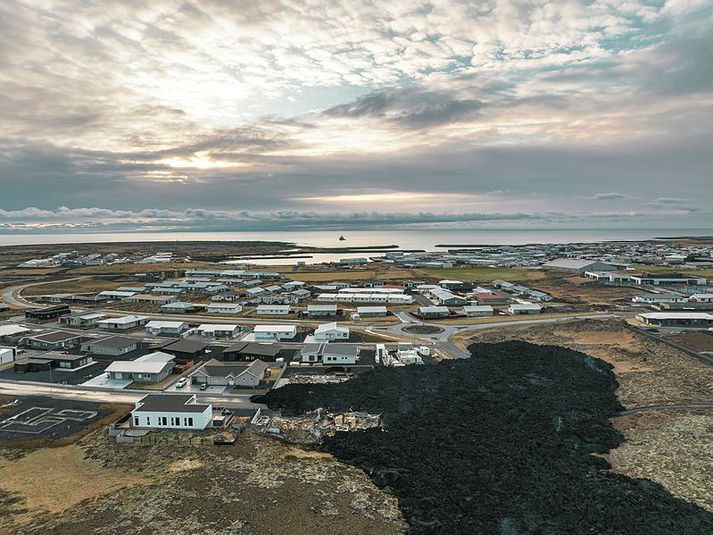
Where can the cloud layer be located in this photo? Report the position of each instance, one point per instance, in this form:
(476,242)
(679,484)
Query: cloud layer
(441,109)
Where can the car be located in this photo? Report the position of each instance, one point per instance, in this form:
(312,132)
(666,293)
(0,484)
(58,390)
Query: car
(181,382)
(204,386)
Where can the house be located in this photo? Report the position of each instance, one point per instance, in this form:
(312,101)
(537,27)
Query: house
(668,279)
(372,312)
(112,346)
(124,323)
(272,310)
(274,332)
(52,340)
(695,320)
(171,411)
(149,369)
(13,332)
(178,307)
(441,296)
(356,261)
(330,332)
(227,297)
(224,308)
(450,284)
(215,373)
(654,299)
(524,308)
(248,351)
(340,354)
(50,361)
(82,320)
(321,311)
(157,300)
(577,265)
(47,314)
(115,294)
(166,328)
(434,312)
(186,350)
(293,285)
(217,330)
(474,311)
(7,355)
(702,298)
(492,298)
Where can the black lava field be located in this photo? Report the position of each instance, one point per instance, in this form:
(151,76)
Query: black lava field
(499,443)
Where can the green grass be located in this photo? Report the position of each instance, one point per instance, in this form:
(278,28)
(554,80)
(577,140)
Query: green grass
(705,272)
(482,274)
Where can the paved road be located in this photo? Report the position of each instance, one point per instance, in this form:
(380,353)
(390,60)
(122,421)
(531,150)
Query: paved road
(12,388)
(12,294)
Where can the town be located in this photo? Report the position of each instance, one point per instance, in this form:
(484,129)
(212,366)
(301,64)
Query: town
(186,349)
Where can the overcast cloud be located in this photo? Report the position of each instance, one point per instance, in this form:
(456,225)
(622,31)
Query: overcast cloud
(293,114)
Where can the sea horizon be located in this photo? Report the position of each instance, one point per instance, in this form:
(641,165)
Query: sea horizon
(422,238)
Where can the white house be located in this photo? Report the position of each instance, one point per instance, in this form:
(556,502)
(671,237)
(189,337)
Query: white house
(652,299)
(178,307)
(151,368)
(171,411)
(474,311)
(224,308)
(274,332)
(7,354)
(272,310)
(524,308)
(123,323)
(330,332)
(217,330)
(702,298)
(372,312)
(115,294)
(340,354)
(164,328)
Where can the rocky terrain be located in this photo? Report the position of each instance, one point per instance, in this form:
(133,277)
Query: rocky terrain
(257,486)
(509,441)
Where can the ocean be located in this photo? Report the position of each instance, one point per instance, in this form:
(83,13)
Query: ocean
(406,239)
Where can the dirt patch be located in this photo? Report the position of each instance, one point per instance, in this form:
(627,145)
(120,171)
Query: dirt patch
(53,480)
(697,341)
(256,486)
(422,329)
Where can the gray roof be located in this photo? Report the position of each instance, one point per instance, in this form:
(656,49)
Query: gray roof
(171,403)
(56,336)
(115,341)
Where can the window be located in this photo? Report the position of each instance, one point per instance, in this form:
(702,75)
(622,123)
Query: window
(190,422)
(164,420)
(136,420)
(148,420)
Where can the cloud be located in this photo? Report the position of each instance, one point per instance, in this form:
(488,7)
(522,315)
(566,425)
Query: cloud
(268,107)
(608,196)
(409,107)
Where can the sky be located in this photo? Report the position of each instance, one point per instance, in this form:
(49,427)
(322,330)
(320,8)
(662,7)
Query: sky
(244,115)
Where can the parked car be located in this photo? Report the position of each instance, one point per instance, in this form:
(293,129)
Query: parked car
(181,382)
(204,386)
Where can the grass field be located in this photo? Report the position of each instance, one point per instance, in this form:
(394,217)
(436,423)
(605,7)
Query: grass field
(330,276)
(705,272)
(482,274)
(74,286)
(141,268)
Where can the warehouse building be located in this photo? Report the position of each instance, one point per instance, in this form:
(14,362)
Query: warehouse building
(691,320)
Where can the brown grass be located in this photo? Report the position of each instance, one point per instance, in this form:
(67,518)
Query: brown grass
(55,479)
